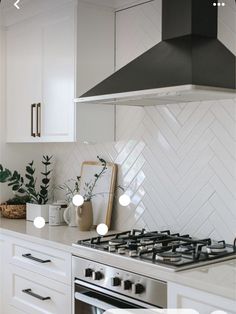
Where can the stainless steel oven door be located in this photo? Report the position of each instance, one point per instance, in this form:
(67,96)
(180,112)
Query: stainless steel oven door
(89,299)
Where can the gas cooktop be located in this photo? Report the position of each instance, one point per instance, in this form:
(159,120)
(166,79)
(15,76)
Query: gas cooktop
(169,250)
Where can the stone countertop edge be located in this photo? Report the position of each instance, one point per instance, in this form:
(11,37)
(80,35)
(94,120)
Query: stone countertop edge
(218,278)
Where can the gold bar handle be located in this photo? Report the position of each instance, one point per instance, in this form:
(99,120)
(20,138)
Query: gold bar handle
(32,120)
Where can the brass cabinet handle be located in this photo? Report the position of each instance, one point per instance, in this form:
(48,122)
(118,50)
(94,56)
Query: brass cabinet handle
(37,296)
(38,120)
(32,120)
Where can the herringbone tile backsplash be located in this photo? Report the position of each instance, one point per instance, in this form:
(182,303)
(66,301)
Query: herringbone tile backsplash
(177,163)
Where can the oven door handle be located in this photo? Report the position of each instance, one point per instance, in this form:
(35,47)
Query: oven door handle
(93,302)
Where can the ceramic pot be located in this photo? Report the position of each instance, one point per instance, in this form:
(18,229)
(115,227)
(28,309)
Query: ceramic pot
(85,214)
(37,210)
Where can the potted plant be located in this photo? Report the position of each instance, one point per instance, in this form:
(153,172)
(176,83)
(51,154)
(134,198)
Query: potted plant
(81,215)
(25,189)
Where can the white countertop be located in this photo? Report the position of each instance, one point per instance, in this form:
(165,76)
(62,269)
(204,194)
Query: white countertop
(218,278)
(59,237)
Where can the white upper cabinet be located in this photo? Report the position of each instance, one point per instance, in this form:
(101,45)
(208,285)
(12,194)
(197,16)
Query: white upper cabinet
(23,80)
(51,59)
(58,75)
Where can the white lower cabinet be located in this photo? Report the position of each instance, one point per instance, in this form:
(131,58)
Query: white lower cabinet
(33,293)
(183,297)
(49,262)
(35,278)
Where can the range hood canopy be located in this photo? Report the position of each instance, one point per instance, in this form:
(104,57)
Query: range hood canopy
(189,64)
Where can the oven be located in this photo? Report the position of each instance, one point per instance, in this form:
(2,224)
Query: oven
(91,300)
(98,287)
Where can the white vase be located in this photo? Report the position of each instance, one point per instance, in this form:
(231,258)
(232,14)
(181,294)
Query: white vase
(71,216)
(37,210)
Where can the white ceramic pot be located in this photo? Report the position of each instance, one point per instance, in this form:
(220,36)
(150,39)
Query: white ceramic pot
(71,216)
(37,210)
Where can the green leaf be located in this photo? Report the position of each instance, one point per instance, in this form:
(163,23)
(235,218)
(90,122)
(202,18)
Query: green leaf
(12,183)
(30,170)
(15,187)
(21,190)
(46,163)
(43,192)
(29,177)
(45,181)
(5,176)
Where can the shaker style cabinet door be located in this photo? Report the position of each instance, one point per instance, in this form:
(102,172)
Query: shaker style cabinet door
(58,75)
(40,77)
(183,297)
(23,80)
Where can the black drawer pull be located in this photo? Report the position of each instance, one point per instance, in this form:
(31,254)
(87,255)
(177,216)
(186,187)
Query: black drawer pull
(32,120)
(37,296)
(29,256)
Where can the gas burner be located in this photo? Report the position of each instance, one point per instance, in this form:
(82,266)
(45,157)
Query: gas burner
(217,248)
(169,257)
(184,249)
(146,241)
(133,253)
(111,248)
(163,248)
(116,242)
(121,250)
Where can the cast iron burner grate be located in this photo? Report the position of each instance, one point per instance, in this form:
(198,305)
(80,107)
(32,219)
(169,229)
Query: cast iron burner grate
(163,248)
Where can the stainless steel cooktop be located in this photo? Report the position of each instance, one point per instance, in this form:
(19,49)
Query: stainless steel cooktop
(168,250)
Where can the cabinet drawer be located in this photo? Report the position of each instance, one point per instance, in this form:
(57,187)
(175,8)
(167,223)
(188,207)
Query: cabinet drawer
(33,293)
(54,264)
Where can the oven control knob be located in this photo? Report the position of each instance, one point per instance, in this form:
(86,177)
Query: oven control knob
(97,275)
(115,281)
(138,288)
(126,284)
(88,272)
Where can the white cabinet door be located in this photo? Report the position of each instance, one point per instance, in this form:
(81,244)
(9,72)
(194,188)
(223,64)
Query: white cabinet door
(23,80)
(40,71)
(182,297)
(33,293)
(58,75)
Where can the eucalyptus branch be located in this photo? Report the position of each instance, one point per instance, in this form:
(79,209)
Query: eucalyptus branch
(27,187)
(88,195)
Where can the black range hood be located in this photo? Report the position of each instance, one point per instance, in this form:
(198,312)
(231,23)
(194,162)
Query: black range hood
(189,64)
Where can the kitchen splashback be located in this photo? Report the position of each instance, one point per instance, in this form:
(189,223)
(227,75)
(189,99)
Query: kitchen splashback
(177,162)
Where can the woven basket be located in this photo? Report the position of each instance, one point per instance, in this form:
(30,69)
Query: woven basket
(13,211)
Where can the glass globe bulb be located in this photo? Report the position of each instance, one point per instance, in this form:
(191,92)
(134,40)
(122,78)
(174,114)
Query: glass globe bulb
(124,200)
(39,222)
(102,229)
(78,200)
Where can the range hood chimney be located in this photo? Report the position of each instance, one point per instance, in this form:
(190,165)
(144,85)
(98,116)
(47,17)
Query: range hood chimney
(189,64)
